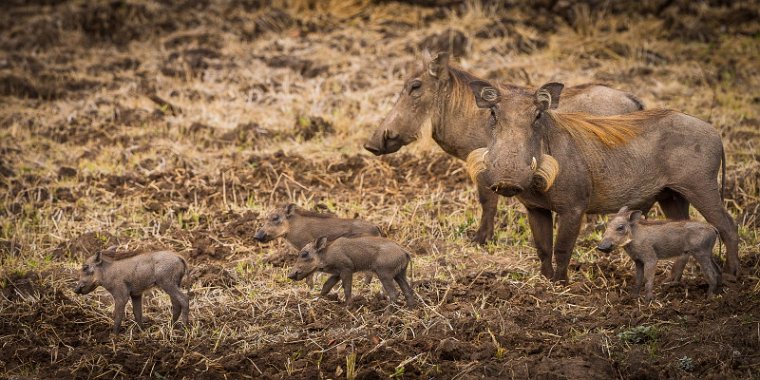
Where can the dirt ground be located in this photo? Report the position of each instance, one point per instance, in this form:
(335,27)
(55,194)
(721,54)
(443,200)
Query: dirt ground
(178,125)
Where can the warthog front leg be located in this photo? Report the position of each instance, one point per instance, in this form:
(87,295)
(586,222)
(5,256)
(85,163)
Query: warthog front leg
(567,233)
(489,202)
(540,221)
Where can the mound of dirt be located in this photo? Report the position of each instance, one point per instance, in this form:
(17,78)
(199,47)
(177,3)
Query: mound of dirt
(12,85)
(19,285)
(209,275)
(309,127)
(85,245)
(206,249)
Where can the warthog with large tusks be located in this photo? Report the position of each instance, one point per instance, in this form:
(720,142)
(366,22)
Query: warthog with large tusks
(300,227)
(441,93)
(573,164)
(344,256)
(128,277)
(648,241)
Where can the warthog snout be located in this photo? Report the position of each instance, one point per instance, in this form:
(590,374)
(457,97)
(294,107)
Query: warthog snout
(605,246)
(78,289)
(506,189)
(294,275)
(372,149)
(260,236)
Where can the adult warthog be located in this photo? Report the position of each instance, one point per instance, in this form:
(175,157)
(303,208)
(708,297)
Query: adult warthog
(442,94)
(573,163)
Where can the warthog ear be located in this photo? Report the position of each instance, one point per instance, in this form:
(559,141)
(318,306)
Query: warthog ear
(436,65)
(98,259)
(321,243)
(547,97)
(486,95)
(290,209)
(623,210)
(634,216)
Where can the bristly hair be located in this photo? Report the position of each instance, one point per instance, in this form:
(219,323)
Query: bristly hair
(461,94)
(314,214)
(117,256)
(609,130)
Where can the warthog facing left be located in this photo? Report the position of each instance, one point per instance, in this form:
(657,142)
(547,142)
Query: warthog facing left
(646,242)
(344,256)
(129,277)
(441,93)
(578,163)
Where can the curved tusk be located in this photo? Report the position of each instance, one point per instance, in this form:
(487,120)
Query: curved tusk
(533,164)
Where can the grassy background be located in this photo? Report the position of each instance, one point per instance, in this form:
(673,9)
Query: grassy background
(178,125)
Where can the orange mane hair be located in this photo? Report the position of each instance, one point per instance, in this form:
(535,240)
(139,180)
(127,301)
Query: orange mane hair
(609,130)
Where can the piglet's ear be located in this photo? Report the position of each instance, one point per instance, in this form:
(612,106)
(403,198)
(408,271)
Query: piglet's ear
(623,210)
(290,209)
(634,216)
(98,259)
(321,243)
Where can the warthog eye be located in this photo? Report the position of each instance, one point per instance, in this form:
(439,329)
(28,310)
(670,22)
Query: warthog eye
(304,254)
(620,228)
(415,85)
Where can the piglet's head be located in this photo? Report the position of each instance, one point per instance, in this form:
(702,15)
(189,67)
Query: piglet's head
(310,259)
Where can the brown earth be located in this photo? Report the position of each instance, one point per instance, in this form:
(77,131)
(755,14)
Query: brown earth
(178,125)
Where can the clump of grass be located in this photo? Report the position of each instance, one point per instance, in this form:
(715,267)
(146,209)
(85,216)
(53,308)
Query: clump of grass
(686,363)
(639,335)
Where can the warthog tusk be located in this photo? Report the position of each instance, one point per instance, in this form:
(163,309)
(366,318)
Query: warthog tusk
(476,163)
(548,171)
(533,164)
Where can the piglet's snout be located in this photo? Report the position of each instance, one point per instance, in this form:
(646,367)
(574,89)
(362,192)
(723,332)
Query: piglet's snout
(605,246)
(293,275)
(260,236)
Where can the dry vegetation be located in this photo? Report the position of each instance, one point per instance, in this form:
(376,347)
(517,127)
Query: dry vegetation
(179,124)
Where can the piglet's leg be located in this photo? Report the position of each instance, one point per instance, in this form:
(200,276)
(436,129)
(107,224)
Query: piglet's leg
(367,278)
(329,284)
(411,301)
(639,278)
(137,308)
(347,278)
(708,270)
(649,269)
(678,265)
(119,303)
(389,287)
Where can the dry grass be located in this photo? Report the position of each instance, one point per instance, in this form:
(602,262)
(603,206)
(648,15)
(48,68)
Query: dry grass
(195,175)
